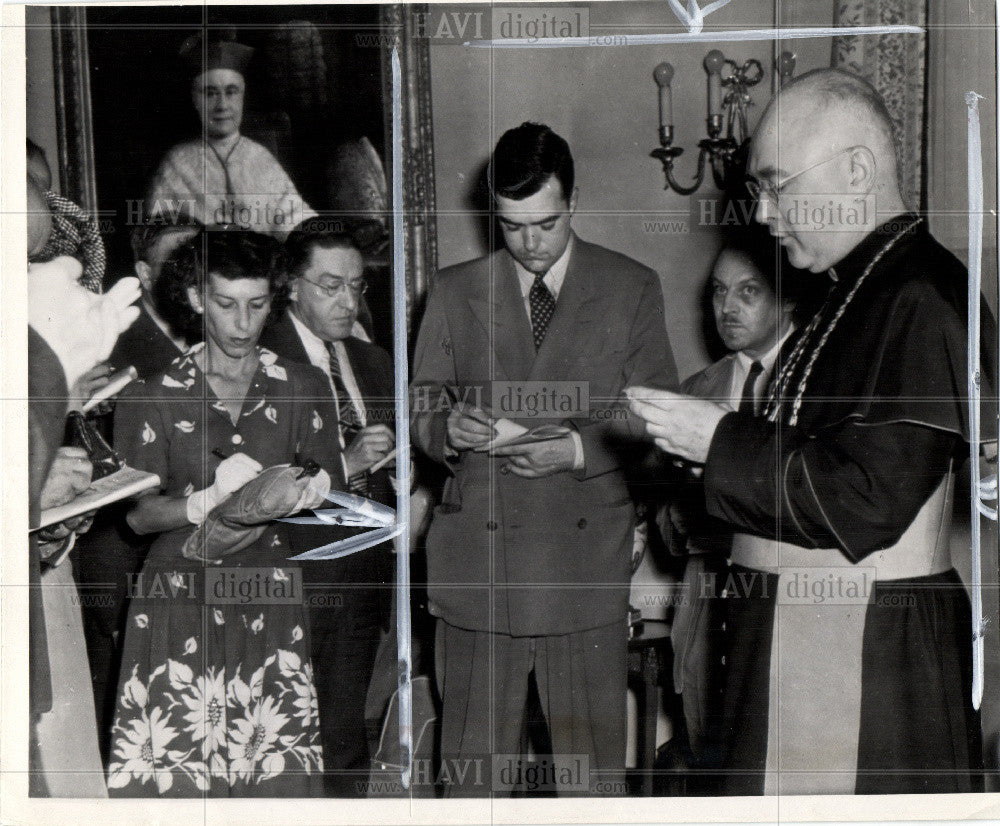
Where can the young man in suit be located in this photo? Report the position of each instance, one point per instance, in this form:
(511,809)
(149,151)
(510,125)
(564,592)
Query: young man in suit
(529,552)
(347,608)
(151,344)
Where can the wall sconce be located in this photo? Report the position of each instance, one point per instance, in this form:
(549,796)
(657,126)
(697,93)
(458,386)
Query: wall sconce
(722,72)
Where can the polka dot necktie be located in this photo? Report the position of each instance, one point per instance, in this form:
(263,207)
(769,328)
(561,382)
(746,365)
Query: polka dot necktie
(542,306)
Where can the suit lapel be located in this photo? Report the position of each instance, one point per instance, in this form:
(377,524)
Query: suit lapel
(573,318)
(282,338)
(509,336)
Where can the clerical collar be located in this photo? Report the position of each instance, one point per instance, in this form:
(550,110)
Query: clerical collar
(850,267)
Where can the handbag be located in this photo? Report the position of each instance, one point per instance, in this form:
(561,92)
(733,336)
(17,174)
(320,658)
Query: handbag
(241,518)
(81,432)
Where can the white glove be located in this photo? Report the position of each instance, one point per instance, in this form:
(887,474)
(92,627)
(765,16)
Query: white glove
(315,492)
(231,474)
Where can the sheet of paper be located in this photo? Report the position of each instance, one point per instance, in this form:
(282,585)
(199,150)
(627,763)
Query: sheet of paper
(119,485)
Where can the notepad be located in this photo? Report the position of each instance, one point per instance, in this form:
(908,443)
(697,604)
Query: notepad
(119,485)
(511,434)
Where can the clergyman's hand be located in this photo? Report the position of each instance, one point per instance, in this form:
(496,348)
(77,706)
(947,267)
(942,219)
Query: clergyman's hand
(680,425)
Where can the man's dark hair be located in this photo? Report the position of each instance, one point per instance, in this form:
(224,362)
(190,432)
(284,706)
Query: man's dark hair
(525,158)
(230,254)
(146,235)
(300,243)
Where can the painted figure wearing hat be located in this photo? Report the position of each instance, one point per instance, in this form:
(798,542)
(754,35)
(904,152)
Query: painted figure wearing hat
(223,177)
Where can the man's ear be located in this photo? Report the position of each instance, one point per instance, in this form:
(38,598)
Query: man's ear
(572,199)
(194,299)
(145,275)
(293,290)
(863,169)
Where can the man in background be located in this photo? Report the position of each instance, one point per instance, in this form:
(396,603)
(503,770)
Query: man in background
(349,598)
(151,343)
(753,323)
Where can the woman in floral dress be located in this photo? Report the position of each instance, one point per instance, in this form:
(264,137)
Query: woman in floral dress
(216,694)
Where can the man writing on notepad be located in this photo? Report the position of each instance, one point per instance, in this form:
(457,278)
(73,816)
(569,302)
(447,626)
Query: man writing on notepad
(350,597)
(528,555)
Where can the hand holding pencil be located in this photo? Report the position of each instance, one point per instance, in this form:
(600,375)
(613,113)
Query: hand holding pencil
(469,427)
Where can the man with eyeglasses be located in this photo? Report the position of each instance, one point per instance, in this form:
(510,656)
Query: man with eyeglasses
(347,607)
(529,553)
(848,665)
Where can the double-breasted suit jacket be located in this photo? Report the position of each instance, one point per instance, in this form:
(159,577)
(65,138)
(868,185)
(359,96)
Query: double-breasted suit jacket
(533,557)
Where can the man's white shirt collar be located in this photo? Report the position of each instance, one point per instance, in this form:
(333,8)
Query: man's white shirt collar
(768,359)
(742,370)
(553,278)
(319,357)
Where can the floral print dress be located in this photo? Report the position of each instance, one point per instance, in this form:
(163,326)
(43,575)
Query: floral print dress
(216,695)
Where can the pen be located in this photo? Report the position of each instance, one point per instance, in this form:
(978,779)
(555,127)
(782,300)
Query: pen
(350,426)
(219,454)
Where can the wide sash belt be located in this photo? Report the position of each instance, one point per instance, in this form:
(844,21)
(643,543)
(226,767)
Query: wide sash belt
(922,550)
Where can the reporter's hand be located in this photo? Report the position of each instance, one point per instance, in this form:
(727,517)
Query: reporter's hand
(466,432)
(231,474)
(534,461)
(68,477)
(370,446)
(234,472)
(312,491)
(81,327)
(89,383)
(76,524)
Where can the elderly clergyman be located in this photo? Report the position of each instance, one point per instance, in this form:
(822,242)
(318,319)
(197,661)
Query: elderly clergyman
(848,660)
(221,176)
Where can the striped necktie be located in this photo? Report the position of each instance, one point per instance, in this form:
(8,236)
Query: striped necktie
(348,417)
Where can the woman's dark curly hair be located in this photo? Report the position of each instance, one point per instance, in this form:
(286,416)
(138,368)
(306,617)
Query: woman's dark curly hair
(231,254)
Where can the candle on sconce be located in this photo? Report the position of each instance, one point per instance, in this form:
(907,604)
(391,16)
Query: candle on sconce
(714,61)
(786,66)
(663,74)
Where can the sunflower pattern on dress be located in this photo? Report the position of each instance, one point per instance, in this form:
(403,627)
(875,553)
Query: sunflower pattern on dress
(216,728)
(216,696)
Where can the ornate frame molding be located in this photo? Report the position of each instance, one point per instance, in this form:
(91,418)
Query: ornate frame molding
(76,137)
(419,205)
(71,68)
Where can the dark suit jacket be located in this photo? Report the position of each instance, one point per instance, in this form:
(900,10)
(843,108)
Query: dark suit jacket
(144,346)
(47,403)
(546,548)
(373,371)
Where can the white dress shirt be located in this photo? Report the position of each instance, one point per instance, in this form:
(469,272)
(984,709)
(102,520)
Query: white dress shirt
(319,356)
(553,279)
(741,369)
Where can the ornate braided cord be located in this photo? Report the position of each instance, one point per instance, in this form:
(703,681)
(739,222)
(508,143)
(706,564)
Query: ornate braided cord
(774,402)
